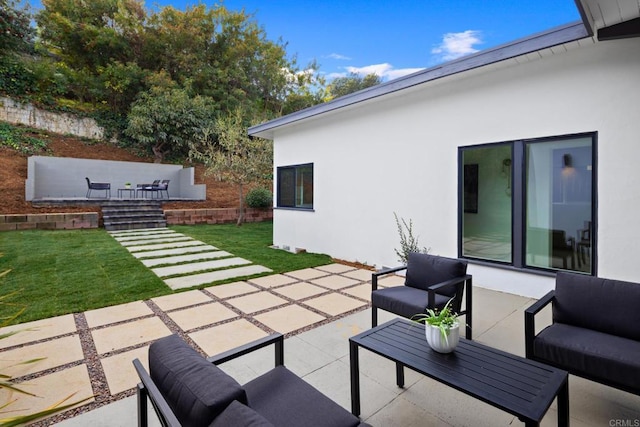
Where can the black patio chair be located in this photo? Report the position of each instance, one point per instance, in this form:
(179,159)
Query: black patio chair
(431,281)
(144,188)
(163,186)
(103,186)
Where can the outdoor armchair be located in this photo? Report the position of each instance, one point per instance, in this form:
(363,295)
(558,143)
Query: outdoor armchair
(431,281)
(186,389)
(146,187)
(104,186)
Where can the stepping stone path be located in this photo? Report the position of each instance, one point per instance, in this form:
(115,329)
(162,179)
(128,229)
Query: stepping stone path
(183,262)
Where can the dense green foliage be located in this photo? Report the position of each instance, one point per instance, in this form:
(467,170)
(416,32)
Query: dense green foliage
(60,272)
(352,83)
(21,139)
(259,197)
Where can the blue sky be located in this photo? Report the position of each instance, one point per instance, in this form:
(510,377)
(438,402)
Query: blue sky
(393,37)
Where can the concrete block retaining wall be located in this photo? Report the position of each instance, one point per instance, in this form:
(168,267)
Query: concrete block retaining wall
(215,216)
(49,221)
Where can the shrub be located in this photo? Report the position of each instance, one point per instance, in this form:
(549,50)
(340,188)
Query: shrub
(259,198)
(408,242)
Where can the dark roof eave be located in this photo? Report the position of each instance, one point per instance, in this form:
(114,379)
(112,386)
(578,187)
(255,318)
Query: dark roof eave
(554,37)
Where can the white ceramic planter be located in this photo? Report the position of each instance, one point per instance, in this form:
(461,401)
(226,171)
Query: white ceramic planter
(439,343)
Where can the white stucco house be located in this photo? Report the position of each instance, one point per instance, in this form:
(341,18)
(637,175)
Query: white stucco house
(521,159)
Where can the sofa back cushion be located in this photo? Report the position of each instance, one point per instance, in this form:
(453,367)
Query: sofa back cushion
(424,270)
(196,390)
(604,305)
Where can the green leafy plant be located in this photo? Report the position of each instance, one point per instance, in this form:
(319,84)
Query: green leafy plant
(443,319)
(259,198)
(408,242)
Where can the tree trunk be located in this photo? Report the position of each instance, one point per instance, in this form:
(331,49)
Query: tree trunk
(158,153)
(241,213)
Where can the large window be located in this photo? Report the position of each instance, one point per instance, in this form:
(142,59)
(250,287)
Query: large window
(295,186)
(530,204)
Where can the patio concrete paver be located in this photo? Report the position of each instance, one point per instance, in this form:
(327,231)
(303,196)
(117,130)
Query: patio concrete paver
(299,290)
(226,336)
(38,330)
(157,240)
(232,289)
(181,300)
(148,236)
(175,251)
(12,360)
(307,274)
(116,313)
(50,389)
(194,317)
(290,318)
(119,370)
(273,280)
(198,266)
(334,304)
(129,334)
(164,246)
(214,276)
(334,282)
(391,280)
(199,256)
(361,291)
(335,268)
(256,302)
(359,274)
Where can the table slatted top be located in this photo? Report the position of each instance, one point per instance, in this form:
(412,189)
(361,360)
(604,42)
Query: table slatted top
(512,383)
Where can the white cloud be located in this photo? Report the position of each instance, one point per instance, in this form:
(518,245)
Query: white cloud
(455,45)
(338,57)
(385,71)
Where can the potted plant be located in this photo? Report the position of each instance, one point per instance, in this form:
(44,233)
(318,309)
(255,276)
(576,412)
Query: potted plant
(127,185)
(442,328)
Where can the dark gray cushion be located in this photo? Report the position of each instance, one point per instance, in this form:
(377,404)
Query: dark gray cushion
(196,390)
(609,306)
(287,400)
(424,270)
(404,300)
(590,353)
(239,415)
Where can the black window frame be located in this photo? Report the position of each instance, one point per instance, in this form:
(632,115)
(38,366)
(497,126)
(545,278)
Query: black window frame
(518,203)
(280,200)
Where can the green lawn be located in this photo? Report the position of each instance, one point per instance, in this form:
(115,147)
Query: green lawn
(60,272)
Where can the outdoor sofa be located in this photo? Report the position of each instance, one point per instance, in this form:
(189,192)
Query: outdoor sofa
(595,332)
(186,389)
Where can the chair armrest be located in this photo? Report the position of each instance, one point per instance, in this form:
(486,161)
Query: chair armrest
(277,339)
(148,388)
(384,271)
(530,321)
(431,290)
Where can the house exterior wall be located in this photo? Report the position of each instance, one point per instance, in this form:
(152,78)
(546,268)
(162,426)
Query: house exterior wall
(398,153)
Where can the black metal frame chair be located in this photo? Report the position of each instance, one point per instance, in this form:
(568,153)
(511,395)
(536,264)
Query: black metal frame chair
(430,283)
(146,187)
(102,186)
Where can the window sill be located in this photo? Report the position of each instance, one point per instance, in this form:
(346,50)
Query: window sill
(294,209)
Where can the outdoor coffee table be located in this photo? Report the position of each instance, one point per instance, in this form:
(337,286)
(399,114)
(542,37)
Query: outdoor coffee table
(519,386)
(131,191)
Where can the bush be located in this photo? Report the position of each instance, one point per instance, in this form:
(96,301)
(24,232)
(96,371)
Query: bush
(259,198)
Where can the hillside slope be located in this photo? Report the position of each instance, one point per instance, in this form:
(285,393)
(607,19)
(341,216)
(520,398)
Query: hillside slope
(13,173)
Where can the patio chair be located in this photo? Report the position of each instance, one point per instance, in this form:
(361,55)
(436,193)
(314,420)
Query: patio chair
(431,281)
(163,186)
(144,188)
(103,186)
(186,389)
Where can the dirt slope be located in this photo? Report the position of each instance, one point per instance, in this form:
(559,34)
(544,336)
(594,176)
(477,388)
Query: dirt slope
(13,173)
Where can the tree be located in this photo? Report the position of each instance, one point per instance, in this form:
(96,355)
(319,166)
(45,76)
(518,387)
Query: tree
(235,157)
(166,120)
(354,82)
(16,34)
